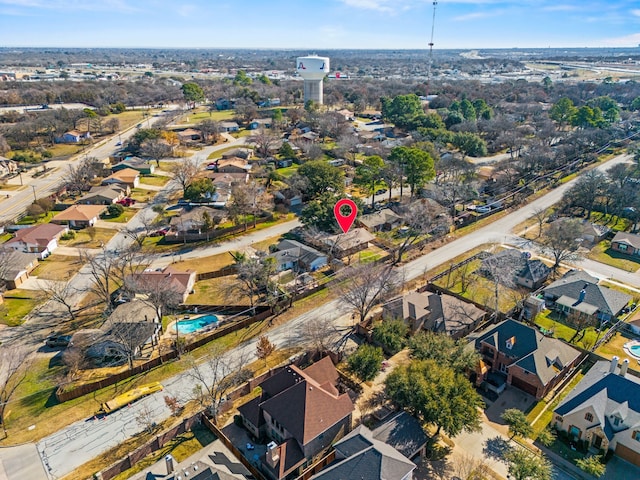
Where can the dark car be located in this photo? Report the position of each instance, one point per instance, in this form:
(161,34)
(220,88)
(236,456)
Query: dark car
(380,191)
(58,341)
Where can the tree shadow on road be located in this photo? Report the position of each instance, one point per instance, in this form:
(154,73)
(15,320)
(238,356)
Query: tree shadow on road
(496,448)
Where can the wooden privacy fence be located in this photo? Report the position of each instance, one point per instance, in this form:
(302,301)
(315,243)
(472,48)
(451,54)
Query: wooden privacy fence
(66,394)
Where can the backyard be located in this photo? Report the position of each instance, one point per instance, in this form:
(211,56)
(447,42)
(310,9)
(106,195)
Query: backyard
(92,237)
(555,322)
(57,267)
(17,304)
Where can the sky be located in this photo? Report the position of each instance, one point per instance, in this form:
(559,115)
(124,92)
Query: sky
(320,24)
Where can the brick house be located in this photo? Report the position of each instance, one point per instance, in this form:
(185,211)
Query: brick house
(302,412)
(626,243)
(527,359)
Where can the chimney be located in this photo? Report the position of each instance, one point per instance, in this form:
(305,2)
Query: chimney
(583,292)
(273,454)
(614,364)
(168,460)
(623,368)
(412,311)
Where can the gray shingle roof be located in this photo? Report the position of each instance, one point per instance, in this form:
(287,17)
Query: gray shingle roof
(403,432)
(606,300)
(607,393)
(537,354)
(366,459)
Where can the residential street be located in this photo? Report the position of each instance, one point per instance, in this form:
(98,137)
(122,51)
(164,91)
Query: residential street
(79,442)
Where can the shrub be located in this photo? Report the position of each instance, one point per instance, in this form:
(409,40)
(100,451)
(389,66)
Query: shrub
(365,362)
(115,210)
(70,235)
(391,335)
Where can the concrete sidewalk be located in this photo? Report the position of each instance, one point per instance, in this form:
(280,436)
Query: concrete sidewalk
(22,461)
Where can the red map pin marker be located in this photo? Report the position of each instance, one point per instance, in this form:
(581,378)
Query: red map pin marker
(345,222)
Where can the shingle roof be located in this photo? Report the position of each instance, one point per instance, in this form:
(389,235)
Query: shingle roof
(39,235)
(537,354)
(386,215)
(301,252)
(80,213)
(366,459)
(627,238)
(403,432)
(606,300)
(534,270)
(127,175)
(607,393)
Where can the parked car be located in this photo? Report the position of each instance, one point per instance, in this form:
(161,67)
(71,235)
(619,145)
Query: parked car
(159,233)
(118,144)
(483,209)
(380,191)
(127,202)
(212,166)
(58,341)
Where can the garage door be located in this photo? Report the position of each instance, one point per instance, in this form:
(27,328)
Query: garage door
(522,385)
(627,454)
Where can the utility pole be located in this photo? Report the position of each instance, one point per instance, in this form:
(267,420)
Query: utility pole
(35,199)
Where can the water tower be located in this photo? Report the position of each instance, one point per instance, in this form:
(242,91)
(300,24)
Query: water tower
(313,69)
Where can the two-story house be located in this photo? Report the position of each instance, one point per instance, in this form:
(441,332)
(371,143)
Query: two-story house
(527,359)
(604,410)
(302,412)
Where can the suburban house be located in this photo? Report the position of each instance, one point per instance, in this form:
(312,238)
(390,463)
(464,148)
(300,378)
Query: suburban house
(302,412)
(233,165)
(144,167)
(590,233)
(126,176)
(293,255)
(603,410)
(260,123)
(18,267)
(104,195)
(246,153)
(404,433)
(190,135)
(348,115)
(438,313)
(79,216)
(345,244)
(193,220)
(40,239)
(73,136)
(7,166)
(518,266)
(360,455)
(579,293)
(523,358)
(227,180)
(168,278)
(131,327)
(627,243)
(229,127)
(381,221)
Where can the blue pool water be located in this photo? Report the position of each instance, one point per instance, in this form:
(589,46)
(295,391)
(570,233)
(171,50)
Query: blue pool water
(635,350)
(195,324)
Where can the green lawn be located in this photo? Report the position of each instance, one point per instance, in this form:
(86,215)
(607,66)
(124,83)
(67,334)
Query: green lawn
(155,180)
(551,320)
(126,215)
(17,304)
(199,116)
(222,151)
(142,194)
(92,237)
(602,253)
(27,220)
(288,171)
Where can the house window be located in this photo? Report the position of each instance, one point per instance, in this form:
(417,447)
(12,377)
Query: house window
(622,247)
(636,435)
(558,418)
(616,421)
(588,417)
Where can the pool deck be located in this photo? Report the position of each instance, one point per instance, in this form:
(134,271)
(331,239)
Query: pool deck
(627,348)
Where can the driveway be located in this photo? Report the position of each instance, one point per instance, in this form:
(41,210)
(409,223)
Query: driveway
(22,461)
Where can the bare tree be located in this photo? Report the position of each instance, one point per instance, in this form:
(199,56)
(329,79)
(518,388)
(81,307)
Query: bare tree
(264,348)
(158,291)
(265,141)
(78,177)
(156,148)
(364,286)
(62,293)
(210,130)
(185,172)
(253,276)
(145,418)
(501,269)
(13,370)
(216,377)
(562,240)
(423,218)
(540,214)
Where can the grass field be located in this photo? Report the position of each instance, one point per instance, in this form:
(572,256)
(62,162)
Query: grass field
(551,320)
(92,237)
(57,267)
(155,180)
(142,195)
(17,304)
(126,215)
(199,115)
(603,253)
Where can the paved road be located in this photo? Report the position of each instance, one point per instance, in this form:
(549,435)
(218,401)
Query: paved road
(81,441)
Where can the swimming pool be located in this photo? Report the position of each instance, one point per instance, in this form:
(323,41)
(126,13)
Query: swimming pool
(633,348)
(194,324)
